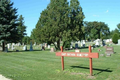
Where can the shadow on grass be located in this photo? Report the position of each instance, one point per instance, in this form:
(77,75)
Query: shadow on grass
(101,70)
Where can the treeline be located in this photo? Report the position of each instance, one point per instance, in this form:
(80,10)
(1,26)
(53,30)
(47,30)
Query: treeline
(63,21)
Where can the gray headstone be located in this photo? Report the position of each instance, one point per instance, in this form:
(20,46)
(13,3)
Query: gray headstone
(76,46)
(31,48)
(109,50)
(103,43)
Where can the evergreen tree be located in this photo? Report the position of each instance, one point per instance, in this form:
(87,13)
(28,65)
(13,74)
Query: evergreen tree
(76,20)
(8,24)
(118,26)
(115,38)
(21,28)
(55,25)
(26,40)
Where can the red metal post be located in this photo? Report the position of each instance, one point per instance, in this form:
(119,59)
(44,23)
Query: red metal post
(90,59)
(62,59)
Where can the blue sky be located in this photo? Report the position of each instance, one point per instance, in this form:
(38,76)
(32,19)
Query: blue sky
(107,11)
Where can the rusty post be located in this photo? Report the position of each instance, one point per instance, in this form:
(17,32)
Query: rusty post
(62,59)
(90,60)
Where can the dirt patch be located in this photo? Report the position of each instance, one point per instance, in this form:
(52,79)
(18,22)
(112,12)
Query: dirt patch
(91,77)
(74,73)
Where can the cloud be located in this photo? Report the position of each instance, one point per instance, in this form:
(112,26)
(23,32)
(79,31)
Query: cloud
(107,11)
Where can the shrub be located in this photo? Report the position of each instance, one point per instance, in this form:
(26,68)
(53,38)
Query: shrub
(115,38)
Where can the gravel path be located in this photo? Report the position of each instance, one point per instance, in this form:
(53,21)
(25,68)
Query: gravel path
(3,78)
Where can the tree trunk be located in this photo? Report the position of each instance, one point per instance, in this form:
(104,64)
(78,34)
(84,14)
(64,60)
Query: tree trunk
(64,43)
(58,44)
(55,46)
(3,46)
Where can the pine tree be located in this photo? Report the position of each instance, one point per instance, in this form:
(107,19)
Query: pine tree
(76,19)
(21,28)
(8,24)
(55,23)
(115,38)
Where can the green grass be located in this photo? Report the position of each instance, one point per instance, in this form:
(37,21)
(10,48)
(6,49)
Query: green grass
(45,65)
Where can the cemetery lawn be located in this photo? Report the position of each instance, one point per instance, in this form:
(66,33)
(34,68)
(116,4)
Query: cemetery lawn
(45,65)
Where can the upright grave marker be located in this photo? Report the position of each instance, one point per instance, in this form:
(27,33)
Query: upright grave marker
(89,55)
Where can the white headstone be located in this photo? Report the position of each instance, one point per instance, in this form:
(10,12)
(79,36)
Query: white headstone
(25,48)
(118,41)
(12,47)
(81,43)
(48,46)
(8,45)
(97,42)
(77,50)
(35,44)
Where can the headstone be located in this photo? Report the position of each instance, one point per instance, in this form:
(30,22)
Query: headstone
(23,44)
(8,45)
(71,46)
(101,54)
(118,41)
(31,48)
(12,47)
(97,43)
(43,48)
(77,50)
(35,44)
(109,50)
(92,48)
(6,49)
(52,50)
(48,46)
(108,55)
(76,46)
(45,45)
(103,43)
(83,43)
(25,48)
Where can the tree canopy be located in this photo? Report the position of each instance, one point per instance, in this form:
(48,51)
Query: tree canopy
(96,30)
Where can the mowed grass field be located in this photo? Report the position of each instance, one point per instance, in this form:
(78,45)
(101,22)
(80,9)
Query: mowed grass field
(45,65)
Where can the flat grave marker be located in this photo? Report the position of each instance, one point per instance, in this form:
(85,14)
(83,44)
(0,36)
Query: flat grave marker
(109,50)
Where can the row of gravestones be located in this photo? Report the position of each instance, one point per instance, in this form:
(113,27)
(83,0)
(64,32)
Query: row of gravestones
(83,44)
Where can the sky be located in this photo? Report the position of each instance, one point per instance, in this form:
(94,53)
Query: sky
(107,11)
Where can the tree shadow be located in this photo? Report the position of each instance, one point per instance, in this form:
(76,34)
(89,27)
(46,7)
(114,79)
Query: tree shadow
(101,70)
